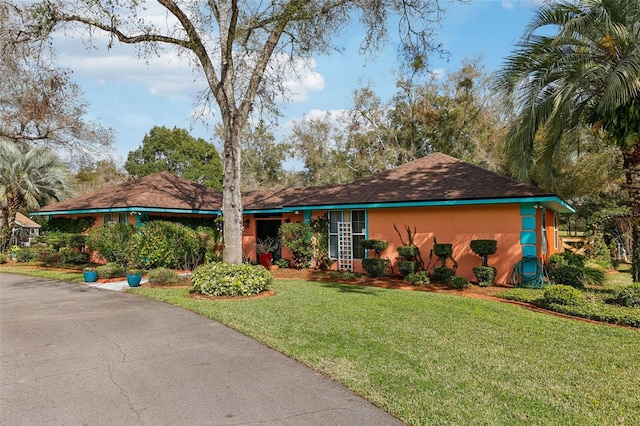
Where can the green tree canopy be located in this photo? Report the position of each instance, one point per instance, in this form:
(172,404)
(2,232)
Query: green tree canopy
(177,152)
(29,178)
(585,72)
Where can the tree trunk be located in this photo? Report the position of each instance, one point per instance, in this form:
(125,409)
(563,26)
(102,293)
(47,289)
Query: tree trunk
(231,195)
(632,170)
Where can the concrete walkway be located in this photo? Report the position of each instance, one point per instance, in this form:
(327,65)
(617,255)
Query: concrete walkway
(72,354)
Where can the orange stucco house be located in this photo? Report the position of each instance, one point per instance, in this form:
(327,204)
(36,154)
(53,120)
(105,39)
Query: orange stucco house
(438,196)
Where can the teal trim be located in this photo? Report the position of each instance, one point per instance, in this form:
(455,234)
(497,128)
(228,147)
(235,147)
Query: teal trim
(528,223)
(527,237)
(552,202)
(307,216)
(529,251)
(258,211)
(527,210)
(128,209)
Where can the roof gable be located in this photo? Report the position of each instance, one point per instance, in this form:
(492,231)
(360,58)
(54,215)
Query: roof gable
(159,190)
(437,177)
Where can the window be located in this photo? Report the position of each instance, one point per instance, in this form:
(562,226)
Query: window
(555,230)
(335,216)
(123,218)
(358,232)
(107,218)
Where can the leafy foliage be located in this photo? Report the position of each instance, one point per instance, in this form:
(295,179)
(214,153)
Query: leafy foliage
(112,241)
(420,278)
(161,244)
(629,296)
(223,279)
(164,276)
(297,237)
(484,248)
(458,282)
(67,225)
(563,295)
(111,270)
(178,153)
(443,273)
(566,258)
(378,246)
(485,275)
(568,275)
(407,267)
(375,267)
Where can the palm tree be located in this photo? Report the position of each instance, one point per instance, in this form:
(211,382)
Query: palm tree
(586,73)
(29,177)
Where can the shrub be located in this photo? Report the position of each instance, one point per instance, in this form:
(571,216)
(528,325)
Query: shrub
(563,295)
(224,279)
(485,275)
(418,278)
(629,296)
(49,257)
(458,282)
(24,254)
(484,248)
(593,276)
(281,263)
(408,252)
(68,225)
(112,241)
(3,258)
(111,270)
(68,255)
(443,273)
(377,246)
(568,275)
(297,237)
(566,258)
(375,267)
(407,267)
(161,244)
(164,276)
(443,250)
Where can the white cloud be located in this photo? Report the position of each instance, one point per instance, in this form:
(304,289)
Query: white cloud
(508,5)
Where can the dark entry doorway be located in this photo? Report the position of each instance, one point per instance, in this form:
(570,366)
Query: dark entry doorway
(266,228)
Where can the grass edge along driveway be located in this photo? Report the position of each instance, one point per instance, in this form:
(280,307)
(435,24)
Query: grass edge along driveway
(430,358)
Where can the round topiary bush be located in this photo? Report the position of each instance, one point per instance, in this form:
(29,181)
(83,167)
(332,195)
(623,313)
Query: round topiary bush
(407,267)
(485,275)
(443,250)
(375,267)
(484,248)
(563,295)
(443,273)
(408,252)
(377,246)
(224,279)
(568,275)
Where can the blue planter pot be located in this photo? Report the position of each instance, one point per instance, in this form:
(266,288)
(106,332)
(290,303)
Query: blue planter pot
(90,276)
(134,279)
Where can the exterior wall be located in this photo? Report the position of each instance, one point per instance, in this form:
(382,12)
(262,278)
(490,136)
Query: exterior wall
(458,225)
(249,233)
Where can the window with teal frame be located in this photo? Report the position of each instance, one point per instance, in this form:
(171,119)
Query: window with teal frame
(358,232)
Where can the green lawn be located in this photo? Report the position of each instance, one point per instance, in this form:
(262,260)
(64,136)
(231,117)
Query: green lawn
(34,271)
(432,358)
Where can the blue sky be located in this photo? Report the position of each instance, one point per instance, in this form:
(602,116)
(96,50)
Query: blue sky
(131,96)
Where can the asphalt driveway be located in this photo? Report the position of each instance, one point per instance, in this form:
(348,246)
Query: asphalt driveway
(72,354)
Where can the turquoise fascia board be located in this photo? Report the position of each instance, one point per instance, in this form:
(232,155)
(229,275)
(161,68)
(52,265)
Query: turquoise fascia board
(127,209)
(547,201)
(258,211)
(529,251)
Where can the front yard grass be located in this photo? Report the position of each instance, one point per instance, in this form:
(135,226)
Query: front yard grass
(51,274)
(431,358)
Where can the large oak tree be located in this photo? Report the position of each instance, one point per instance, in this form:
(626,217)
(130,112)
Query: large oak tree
(244,48)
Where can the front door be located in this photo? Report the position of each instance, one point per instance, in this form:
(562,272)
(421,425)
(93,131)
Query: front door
(266,228)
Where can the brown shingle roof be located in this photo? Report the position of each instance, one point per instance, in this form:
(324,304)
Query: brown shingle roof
(160,190)
(437,177)
(270,199)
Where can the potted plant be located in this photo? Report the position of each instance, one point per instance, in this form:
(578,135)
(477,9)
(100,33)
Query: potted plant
(485,273)
(134,276)
(265,248)
(90,275)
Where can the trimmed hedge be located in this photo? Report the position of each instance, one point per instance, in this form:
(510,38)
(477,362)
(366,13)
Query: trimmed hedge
(164,276)
(111,270)
(563,295)
(224,279)
(161,244)
(443,273)
(629,296)
(568,275)
(375,267)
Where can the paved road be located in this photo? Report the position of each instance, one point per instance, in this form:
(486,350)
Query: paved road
(72,354)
